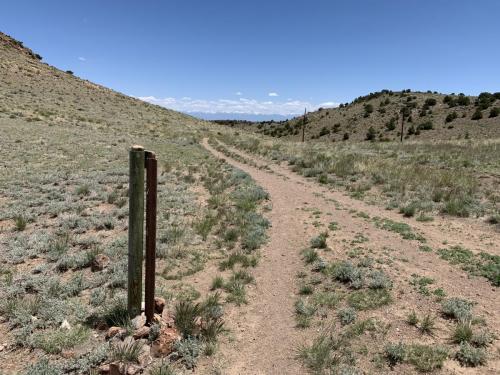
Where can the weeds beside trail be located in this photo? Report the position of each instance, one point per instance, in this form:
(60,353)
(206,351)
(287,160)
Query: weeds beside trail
(416,178)
(367,278)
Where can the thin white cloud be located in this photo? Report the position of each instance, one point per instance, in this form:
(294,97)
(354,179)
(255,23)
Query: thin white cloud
(273,94)
(239,106)
(82,58)
(238,93)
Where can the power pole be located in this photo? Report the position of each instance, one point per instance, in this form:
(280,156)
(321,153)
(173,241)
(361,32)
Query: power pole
(304,126)
(402,126)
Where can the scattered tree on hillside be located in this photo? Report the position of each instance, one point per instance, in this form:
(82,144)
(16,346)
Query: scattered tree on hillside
(494,112)
(370,135)
(477,115)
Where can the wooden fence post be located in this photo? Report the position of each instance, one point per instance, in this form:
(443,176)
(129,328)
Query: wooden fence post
(151,187)
(135,230)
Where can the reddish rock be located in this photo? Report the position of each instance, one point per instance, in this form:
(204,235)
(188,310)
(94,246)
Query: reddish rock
(68,354)
(164,345)
(116,331)
(168,319)
(104,369)
(99,263)
(141,333)
(139,321)
(159,305)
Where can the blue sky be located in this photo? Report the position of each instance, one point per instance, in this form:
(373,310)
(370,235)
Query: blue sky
(264,57)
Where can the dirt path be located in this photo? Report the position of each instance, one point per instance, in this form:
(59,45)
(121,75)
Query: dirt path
(266,338)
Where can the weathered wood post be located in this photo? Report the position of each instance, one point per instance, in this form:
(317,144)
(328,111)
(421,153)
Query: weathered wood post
(304,125)
(135,229)
(151,183)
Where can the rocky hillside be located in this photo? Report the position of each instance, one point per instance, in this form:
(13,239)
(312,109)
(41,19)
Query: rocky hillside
(33,91)
(378,117)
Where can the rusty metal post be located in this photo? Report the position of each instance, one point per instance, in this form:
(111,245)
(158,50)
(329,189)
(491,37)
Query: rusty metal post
(151,187)
(135,230)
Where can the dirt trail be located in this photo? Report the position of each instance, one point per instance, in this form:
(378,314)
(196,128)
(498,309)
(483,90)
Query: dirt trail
(266,338)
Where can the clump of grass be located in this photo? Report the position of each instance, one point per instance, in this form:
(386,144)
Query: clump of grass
(204,225)
(217,283)
(379,280)
(310,256)
(408,210)
(319,242)
(54,341)
(306,289)
(412,319)
(185,314)
(395,353)
(404,230)
(304,313)
(347,315)
(127,351)
(426,358)
(20,222)
(462,332)
(346,272)
(189,349)
(482,264)
(457,308)
(326,299)
(238,258)
(318,356)
(163,368)
(427,325)
(236,290)
(83,190)
(369,299)
(469,356)
(43,367)
(481,339)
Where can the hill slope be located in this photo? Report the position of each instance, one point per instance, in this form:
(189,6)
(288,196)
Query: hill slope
(428,116)
(34,91)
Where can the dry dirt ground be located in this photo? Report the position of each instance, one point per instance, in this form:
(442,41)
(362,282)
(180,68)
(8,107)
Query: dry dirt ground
(266,339)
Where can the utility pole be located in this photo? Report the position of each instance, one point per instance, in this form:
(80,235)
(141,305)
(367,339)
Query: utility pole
(402,126)
(304,126)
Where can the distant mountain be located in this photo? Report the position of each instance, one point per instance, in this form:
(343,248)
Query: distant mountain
(238,116)
(378,117)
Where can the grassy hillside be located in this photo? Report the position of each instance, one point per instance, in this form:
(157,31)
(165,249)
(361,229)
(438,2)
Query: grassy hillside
(427,116)
(63,224)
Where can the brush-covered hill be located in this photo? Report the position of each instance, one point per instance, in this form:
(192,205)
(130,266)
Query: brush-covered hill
(378,117)
(32,91)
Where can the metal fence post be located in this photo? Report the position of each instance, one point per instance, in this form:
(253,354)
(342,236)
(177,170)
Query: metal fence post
(135,229)
(151,187)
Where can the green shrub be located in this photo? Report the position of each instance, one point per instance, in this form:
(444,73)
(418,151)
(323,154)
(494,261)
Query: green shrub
(426,358)
(369,299)
(451,116)
(469,356)
(395,353)
(458,309)
(163,368)
(319,242)
(371,134)
(347,315)
(477,115)
(54,341)
(20,222)
(310,256)
(412,318)
(462,332)
(428,125)
(430,102)
(185,315)
(494,112)
(427,324)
